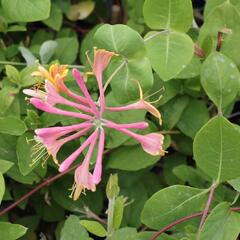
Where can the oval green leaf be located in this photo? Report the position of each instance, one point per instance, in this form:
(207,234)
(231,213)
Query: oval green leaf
(94,227)
(221,224)
(11,231)
(26,10)
(168,14)
(120,39)
(169,53)
(216,149)
(163,207)
(220,79)
(12,126)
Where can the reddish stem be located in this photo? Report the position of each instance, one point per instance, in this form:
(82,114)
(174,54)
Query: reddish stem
(208,205)
(181,220)
(40,186)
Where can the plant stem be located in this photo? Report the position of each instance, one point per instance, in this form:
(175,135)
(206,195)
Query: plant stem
(25,64)
(208,205)
(40,186)
(181,220)
(111,205)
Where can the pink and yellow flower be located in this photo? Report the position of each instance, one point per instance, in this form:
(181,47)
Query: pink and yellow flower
(91,113)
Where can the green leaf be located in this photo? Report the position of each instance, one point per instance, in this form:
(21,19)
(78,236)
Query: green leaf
(194,116)
(118,211)
(216,149)
(72,229)
(26,76)
(120,39)
(189,175)
(120,158)
(12,74)
(126,233)
(172,111)
(67,50)
(7,97)
(12,126)
(5,165)
(211,5)
(148,235)
(168,14)
(26,10)
(2,187)
(221,224)
(94,227)
(172,203)
(169,53)
(55,19)
(124,82)
(11,231)
(235,183)
(28,56)
(24,153)
(47,49)
(223,86)
(192,70)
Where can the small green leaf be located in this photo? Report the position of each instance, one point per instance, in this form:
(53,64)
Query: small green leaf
(118,211)
(216,149)
(235,183)
(163,207)
(94,227)
(2,187)
(172,110)
(120,158)
(168,14)
(5,165)
(67,50)
(221,224)
(55,19)
(24,153)
(126,233)
(112,188)
(28,56)
(47,49)
(223,86)
(194,116)
(26,10)
(72,229)
(12,74)
(11,231)
(120,39)
(169,53)
(12,126)
(7,97)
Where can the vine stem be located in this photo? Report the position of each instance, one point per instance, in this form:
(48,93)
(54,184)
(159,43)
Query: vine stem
(111,205)
(24,64)
(208,205)
(40,186)
(181,220)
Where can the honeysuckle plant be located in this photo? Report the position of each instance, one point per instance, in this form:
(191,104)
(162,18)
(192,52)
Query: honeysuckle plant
(96,75)
(91,115)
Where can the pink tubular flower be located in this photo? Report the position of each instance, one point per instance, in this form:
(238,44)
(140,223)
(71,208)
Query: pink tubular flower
(91,113)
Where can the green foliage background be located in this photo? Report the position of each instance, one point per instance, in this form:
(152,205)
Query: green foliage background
(188,51)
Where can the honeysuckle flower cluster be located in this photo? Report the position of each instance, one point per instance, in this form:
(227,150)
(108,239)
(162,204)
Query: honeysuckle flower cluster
(93,122)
